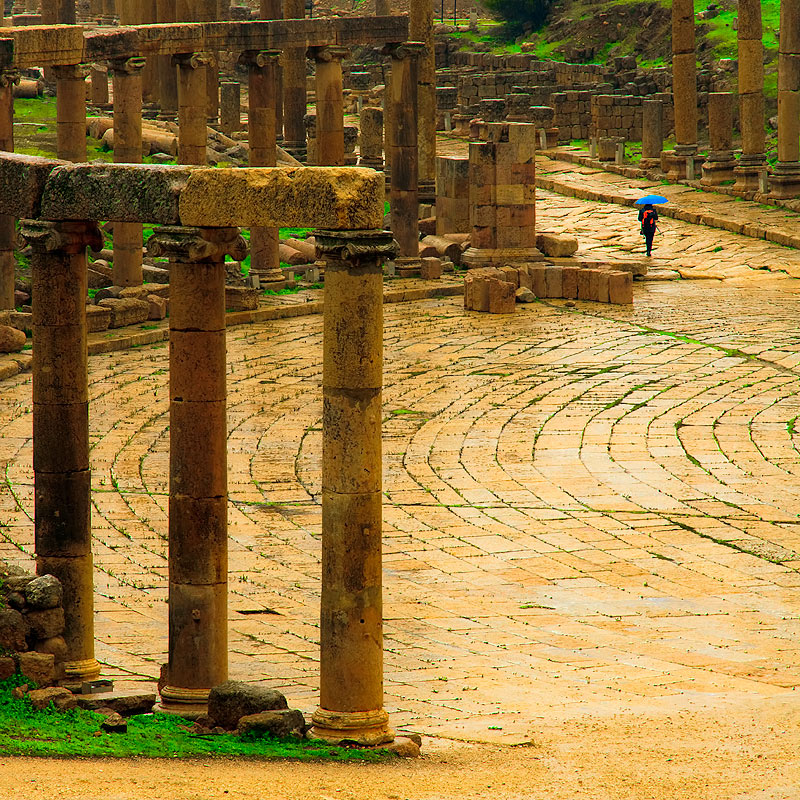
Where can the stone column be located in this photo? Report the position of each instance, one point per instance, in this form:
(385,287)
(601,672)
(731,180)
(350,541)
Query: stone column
(719,166)
(192,106)
(351,613)
(402,136)
(8,233)
(262,69)
(652,133)
(99,83)
(71,111)
(230,113)
(167,77)
(65,11)
(382,8)
(198,557)
(109,12)
(684,88)
(62,477)
(751,96)
(273,9)
(420,29)
(127,267)
(370,140)
(206,11)
(147,16)
(785,180)
(294,89)
(330,105)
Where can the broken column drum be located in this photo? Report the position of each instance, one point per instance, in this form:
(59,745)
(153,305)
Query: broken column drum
(351,613)
(198,546)
(62,477)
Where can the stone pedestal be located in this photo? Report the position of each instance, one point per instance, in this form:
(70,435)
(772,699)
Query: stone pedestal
(402,138)
(652,133)
(294,89)
(502,196)
(198,556)
(351,613)
(370,139)
(785,179)
(719,166)
(71,112)
(420,29)
(684,88)
(61,426)
(192,102)
(752,162)
(127,267)
(262,68)
(8,235)
(330,105)
(230,113)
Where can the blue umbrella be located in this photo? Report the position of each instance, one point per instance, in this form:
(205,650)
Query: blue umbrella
(651,199)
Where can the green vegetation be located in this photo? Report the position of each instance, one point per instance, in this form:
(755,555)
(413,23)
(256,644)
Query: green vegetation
(25,731)
(519,14)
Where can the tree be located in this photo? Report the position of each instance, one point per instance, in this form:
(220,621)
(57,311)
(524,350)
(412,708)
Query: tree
(520,15)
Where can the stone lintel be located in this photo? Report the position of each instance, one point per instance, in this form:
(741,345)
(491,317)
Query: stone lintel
(345,198)
(23,179)
(43,45)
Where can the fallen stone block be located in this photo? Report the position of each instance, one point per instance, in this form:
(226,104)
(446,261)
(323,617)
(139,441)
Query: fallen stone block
(61,698)
(525,295)
(553,281)
(37,667)
(11,339)
(232,700)
(281,723)
(98,318)
(430,268)
(556,245)
(620,288)
(126,311)
(127,704)
(502,298)
(159,307)
(241,298)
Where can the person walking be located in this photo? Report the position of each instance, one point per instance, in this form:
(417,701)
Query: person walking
(648,217)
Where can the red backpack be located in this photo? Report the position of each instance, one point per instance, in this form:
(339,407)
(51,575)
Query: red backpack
(648,221)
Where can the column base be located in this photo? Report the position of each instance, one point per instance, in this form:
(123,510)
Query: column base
(784,183)
(78,671)
(368,728)
(748,173)
(407,267)
(187,703)
(483,257)
(649,163)
(718,172)
(673,162)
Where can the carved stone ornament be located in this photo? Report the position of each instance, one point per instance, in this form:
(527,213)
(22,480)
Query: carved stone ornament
(127,66)
(402,50)
(355,246)
(186,245)
(67,237)
(8,77)
(328,53)
(259,58)
(192,60)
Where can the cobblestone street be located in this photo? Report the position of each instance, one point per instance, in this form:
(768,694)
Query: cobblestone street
(589,511)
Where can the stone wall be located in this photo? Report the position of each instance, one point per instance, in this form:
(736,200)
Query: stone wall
(618,116)
(31,626)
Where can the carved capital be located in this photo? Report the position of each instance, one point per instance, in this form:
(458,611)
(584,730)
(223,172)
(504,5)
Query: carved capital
(400,51)
(355,247)
(127,66)
(71,72)
(8,77)
(328,52)
(260,58)
(65,237)
(185,245)
(192,60)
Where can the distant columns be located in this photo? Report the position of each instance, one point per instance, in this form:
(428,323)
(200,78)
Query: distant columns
(420,29)
(127,77)
(230,109)
(785,180)
(652,132)
(351,612)
(751,96)
(294,89)
(262,69)
(167,76)
(8,234)
(71,111)
(198,555)
(370,138)
(192,105)
(719,166)
(330,105)
(62,476)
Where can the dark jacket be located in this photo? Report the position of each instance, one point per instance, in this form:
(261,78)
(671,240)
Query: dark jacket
(648,207)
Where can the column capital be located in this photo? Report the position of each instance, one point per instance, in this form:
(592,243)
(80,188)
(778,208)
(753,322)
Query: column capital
(260,58)
(192,60)
(327,53)
(8,77)
(68,237)
(400,51)
(356,247)
(77,72)
(185,244)
(127,66)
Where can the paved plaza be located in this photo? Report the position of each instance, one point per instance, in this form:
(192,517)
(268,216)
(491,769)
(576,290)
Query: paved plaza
(591,511)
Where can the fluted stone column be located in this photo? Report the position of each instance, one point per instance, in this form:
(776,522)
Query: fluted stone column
(420,29)
(192,107)
(370,138)
(785,180)
(402,137)
(719,166)
(127,267)
(262,69)
(652,133)
(294,89)
(351,612)
(198,557)
(330,105)
(751,95)
(71,111)
(62,476)
(684,87)
(8,235)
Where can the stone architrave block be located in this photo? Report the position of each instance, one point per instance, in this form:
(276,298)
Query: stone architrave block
(23,179)
(98,318)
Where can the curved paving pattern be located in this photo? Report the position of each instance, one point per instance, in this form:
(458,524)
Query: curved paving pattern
(588,509)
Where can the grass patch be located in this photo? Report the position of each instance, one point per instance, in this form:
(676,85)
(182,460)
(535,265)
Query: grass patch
(27,732)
